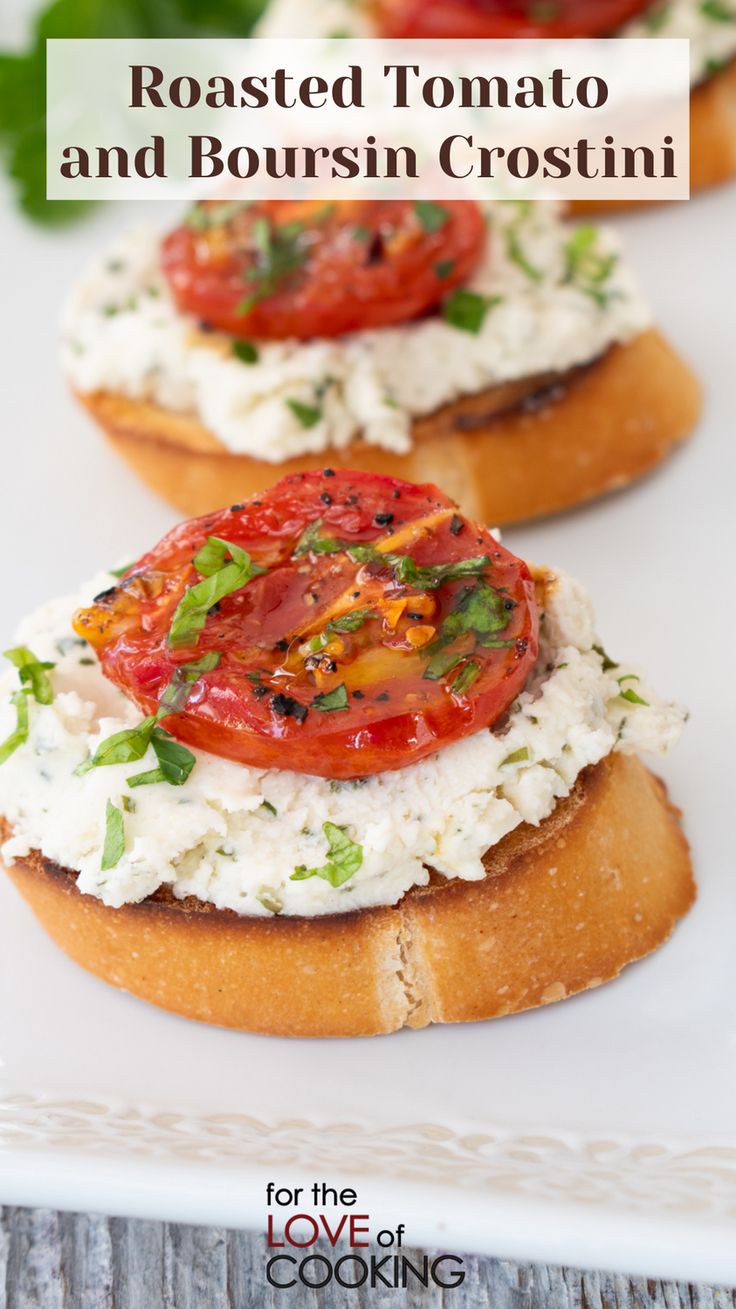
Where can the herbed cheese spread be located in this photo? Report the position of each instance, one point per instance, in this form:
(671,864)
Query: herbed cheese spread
(546,311)
(234,835)
(710,25)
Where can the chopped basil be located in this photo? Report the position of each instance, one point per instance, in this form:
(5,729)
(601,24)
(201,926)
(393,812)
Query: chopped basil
(478,611)
(179,689)
(344,858)
(337,699)
(20,734)
(409,573)
(467,310)
(718,11)
(310,542)
(444,268)
(362,234)
(516,757)
(245,351)
(220,579)
(607,662)
(515,252)
(203,219)
(587,268)
(266,804)
(32,673)
(349,622)
(281,251)
(629,693)
(307,415)
(465,678)
(441,663)
(119,572)
(175,762)
(128,804)
(431,216)
(121,748)
(114,847)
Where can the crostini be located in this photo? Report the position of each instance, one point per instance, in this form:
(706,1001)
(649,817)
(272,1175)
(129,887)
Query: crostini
(332,762)
(499,352)
(709,25)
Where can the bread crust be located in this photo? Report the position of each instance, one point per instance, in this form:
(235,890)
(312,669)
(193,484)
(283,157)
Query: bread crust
(712,140)
(513,452)
(563,907)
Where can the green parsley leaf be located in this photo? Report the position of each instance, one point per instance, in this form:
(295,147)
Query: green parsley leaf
(516,757)
(114,847)
(245,351)
(20,733)
(337,699)
(191,612)
(23,76)
(587,268)
(344,858)
(32,673)
(307,415)
(467,310)
(432,217)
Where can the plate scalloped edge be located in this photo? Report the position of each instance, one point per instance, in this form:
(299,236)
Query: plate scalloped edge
(688,1177)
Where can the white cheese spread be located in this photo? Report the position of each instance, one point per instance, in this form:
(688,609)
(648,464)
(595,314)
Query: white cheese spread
(233,835)
(710,25)
(122,333)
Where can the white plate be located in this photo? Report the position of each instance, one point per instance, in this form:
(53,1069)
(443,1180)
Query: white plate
(598,1132)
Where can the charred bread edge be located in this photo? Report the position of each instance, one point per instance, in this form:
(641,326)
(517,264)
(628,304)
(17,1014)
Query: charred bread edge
(563,907)
(587,432)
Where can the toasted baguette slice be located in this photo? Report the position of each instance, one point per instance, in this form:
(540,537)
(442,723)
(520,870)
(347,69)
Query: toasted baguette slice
(712,140)
(514,452)
(563,907)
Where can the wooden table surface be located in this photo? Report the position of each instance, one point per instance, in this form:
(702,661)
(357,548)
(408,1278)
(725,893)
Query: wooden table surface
(51,1260)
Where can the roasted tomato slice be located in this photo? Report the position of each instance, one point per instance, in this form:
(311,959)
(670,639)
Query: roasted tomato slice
(504,18)
(378,625)
(280,269)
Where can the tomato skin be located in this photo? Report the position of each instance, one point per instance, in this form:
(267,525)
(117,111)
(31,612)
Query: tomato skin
(393,715)
(477,19)
(337,282)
